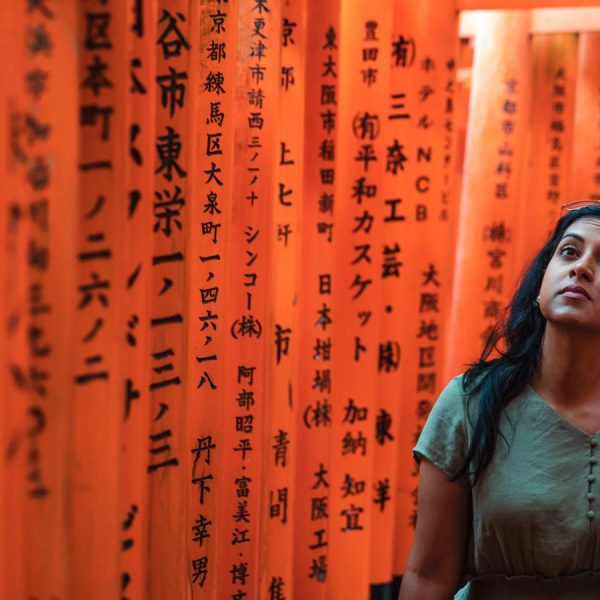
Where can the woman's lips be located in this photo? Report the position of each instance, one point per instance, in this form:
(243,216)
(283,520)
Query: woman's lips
(576,292)
(575,295)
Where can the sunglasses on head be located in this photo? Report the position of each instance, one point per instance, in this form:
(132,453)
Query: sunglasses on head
(569,206)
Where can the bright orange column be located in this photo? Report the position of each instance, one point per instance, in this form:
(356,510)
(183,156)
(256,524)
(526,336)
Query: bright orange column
(315,291)
(4,405)
(461,120)
(550,144)
(585,182)
(461,112)
(14,294)
(280,452)
(94,515)
(207,249)
(49,134)
(356,280)
(420,188)
(174,165)
(136,287)
(486,255)
(245,317)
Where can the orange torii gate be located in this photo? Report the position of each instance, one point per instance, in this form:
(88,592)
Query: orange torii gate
(229,274)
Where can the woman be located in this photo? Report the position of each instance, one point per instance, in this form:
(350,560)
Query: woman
(509,492)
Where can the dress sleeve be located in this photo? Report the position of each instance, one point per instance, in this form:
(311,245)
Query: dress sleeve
(444,439)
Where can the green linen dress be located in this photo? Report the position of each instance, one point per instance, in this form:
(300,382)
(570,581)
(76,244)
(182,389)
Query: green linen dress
(535,532)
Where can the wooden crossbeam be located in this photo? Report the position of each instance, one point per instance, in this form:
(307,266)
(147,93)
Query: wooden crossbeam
(556,20)
(521,4)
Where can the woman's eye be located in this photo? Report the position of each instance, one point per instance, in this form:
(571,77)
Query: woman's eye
(568,251)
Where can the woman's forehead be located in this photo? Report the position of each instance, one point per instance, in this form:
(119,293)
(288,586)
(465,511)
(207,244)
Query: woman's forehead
(585,227)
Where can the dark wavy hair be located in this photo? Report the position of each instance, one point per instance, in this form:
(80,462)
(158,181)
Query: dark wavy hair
(516,344)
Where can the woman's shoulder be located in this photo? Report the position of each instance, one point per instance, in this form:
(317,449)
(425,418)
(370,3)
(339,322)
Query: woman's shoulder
(455,388)
(444,438)
(457,396)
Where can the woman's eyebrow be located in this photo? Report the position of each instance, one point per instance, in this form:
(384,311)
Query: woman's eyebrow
(573,235)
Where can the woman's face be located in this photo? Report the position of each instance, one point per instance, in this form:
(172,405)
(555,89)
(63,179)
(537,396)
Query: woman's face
(570,292)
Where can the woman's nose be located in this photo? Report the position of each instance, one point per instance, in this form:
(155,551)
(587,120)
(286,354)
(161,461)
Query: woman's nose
(584,268)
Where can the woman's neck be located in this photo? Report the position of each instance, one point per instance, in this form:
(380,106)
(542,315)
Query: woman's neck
(570,365)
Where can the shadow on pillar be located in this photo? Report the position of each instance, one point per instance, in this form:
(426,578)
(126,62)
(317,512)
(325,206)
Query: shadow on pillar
(386,591)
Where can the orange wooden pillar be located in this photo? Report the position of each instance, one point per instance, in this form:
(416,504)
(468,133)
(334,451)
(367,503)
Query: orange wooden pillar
(420,186)
(280,451)
(550,141)
(48,132)
(95,515)
(356,279)
(461,102)
(15,101)
(461,120)
(173,167)
(315,289)
(245,318)
(485,270)
(585,182)
(136,285)
(207,250)
(456,109)
(5,421)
